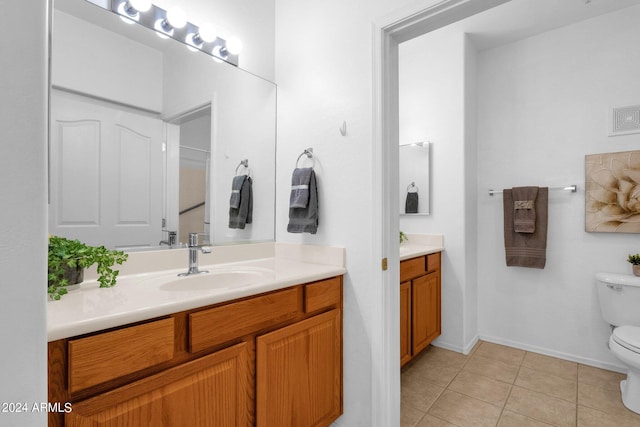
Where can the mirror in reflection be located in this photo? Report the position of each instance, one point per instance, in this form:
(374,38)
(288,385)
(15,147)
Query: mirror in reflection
(414,178)
(146,136)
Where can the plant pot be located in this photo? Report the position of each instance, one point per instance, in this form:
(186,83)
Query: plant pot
(76,275)
(73,275)
(636,270)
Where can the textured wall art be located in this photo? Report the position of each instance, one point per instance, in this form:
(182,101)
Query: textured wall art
(612,192)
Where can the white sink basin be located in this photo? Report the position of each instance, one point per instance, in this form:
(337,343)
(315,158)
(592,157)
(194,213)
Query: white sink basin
(214,279)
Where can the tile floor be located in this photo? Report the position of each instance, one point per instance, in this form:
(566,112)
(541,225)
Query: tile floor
(503,386)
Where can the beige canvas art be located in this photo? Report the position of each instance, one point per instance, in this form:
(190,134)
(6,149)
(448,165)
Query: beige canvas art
(612,192)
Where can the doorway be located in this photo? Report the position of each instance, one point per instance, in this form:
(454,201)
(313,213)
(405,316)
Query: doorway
(194,170)
(408,23)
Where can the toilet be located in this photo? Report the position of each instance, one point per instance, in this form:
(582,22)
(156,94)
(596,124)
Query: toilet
(619,296)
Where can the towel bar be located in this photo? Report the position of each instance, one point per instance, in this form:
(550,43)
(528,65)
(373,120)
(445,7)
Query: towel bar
(573,188)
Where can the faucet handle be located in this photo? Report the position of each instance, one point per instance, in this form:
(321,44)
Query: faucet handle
(193,240)
(205,249)
(173,238)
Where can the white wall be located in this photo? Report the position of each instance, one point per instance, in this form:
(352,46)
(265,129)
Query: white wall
(470,310)
(542,105)
(324,76)
(23,220)
(437,81)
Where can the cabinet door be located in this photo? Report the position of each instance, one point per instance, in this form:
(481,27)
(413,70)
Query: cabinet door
(299,373)
(210,391)
(425,310)
(405,322)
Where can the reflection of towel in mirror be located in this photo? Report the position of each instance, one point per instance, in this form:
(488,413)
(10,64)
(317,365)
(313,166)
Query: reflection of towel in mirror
(524,209)
(526,249)
(242,214)
(299,197)
(236,186)
(305,219)
(411,204)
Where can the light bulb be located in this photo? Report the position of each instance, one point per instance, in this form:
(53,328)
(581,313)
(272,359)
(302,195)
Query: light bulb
(140,5)
(234,45)
(207,32)
(176,17)
(128,13)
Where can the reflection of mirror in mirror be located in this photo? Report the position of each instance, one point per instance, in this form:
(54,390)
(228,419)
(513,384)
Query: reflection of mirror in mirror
(125,105)
(414,179)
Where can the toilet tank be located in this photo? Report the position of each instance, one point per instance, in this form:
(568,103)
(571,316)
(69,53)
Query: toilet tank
(619,297)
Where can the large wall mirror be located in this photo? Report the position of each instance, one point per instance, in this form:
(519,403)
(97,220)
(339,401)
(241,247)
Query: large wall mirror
(146,136)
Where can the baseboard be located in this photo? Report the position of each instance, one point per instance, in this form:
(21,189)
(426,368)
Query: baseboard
(471,345)
(560,355)
(439,342)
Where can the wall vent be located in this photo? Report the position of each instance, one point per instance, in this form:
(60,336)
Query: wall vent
(625,120)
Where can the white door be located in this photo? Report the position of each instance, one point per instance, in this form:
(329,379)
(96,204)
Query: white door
(105,173)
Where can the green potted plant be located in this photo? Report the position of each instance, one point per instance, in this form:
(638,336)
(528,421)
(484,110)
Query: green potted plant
(68,259)
(635,262)
(403,237)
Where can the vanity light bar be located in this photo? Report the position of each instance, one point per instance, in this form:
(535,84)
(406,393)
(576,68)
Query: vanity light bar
(154,15)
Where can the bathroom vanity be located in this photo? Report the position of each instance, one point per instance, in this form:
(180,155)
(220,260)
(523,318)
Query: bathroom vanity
(420,298)
(272,357)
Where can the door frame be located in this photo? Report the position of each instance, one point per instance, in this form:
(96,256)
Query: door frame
(173,120)
(404,24)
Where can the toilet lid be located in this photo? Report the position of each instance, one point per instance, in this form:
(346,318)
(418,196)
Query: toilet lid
(628,337)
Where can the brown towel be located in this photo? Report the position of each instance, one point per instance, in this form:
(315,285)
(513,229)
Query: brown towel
(524,211)
(526,249)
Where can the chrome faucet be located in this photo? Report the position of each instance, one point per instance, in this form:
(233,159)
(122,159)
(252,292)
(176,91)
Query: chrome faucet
(193,255)
(171,241)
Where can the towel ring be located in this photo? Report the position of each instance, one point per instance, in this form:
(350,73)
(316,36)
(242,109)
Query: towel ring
(410,186)
(309,153)
(244,163)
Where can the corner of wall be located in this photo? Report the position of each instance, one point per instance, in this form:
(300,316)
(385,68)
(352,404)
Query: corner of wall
(471,191)
(23,219)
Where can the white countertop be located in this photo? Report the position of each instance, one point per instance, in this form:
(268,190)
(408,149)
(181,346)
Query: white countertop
(421,244)
(142,296)
(412,251)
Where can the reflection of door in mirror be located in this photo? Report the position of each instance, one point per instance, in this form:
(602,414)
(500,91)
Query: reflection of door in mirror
(105,173)
(195,163)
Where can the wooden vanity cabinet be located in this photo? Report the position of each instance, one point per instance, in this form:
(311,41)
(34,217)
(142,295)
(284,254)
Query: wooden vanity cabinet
(209,391)
(405,322)
(420,304)
(299,373)
(273,359)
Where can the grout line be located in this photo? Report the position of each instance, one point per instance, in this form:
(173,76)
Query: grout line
(577,391)
(505,404)
(511,386)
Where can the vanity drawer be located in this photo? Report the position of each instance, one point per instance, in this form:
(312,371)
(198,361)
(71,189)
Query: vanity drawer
(322,294)
(433,261)
(228,322)
(411,268)
(103,357)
